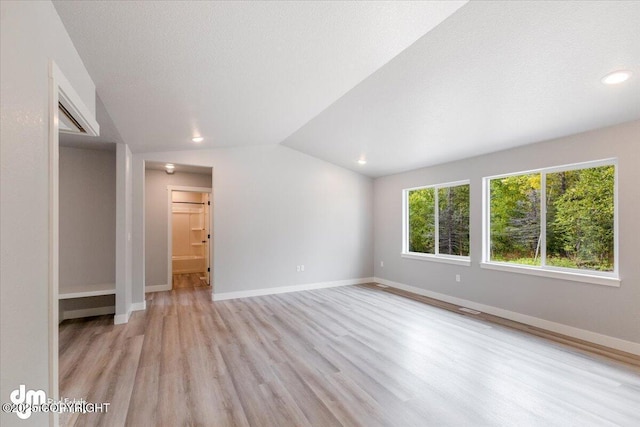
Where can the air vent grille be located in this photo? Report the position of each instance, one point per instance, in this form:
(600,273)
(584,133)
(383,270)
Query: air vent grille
(67,122)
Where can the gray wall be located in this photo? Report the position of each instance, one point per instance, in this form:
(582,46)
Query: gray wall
(87,217)
(156,217)
(606,310)
(275,208)
(30,35)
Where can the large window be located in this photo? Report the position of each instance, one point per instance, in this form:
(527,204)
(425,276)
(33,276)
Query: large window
(557,219)
(436,222)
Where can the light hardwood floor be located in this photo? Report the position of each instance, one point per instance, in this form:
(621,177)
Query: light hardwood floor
(188,280)
(353,356)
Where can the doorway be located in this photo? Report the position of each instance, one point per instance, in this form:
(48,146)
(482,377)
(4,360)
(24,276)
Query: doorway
(192,186)
(190,239)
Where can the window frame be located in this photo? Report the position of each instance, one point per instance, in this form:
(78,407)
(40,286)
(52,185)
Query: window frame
(606,278)
(438,257)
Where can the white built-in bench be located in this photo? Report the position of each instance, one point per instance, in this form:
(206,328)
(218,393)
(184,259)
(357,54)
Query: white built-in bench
(85,291)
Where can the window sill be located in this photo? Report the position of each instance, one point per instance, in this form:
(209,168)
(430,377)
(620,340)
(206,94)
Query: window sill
(437,258)
(555,274)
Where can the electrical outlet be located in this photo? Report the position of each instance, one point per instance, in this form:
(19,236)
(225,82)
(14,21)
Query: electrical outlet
(382,264)
(457,277)
(302,267)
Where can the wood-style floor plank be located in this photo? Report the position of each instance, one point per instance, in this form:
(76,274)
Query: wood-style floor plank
(350,356)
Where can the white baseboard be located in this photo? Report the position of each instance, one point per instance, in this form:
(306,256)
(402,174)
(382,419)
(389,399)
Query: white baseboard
(87,312)
(120,319)
(139,306)
(582,334)
(157,288)
(285,289)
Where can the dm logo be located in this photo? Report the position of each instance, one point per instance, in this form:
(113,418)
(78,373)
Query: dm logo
(26,399)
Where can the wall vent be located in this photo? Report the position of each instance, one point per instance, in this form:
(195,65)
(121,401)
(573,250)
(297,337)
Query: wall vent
(67,123)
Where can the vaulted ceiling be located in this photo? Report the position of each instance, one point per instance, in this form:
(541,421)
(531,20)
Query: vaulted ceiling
(400,84)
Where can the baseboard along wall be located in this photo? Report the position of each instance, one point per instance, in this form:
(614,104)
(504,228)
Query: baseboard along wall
(569,331)
(284,289)
(559,328)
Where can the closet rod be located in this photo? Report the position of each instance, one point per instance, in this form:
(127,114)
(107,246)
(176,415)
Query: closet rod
(191,203)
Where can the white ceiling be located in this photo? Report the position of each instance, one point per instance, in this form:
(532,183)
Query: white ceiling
(312,75)
(493,76)
(238,73)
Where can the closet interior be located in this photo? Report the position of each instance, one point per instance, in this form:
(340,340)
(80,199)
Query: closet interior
(87,230)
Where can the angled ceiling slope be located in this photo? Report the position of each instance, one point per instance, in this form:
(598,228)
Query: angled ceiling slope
(237,73)
(493,76)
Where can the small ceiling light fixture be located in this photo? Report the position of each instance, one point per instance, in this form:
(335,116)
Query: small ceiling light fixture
(170,168)
(197,139)
(616,77)
(362,162)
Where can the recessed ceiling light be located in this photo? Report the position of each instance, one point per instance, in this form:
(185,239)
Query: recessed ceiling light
(362,162)
(616,77)
(170,166)
(197,139)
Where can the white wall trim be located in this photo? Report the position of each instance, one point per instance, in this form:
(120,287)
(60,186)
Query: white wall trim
(88,312)
(157,288)
(60,89)
(54,229)
(139,306)
(284,289)
(123,231)
(456,260)
(582,334)
(574,276)
(120,319)
(68,97)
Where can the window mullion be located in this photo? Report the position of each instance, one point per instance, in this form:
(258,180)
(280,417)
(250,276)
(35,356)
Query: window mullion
(436,232)
(543,219)
(486,200)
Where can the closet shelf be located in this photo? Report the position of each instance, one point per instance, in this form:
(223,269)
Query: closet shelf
(84,291)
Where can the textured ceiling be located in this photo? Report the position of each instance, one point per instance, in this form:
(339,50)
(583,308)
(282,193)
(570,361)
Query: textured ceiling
(402,84)
(238,73)
(494,75)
